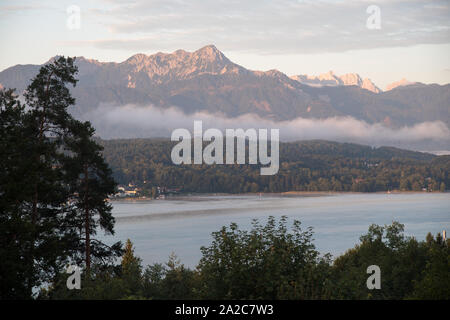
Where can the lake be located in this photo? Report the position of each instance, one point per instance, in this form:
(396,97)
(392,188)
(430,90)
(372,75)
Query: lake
(182,224)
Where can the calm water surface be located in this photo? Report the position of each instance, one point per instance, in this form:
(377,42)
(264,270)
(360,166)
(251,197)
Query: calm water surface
(183,224)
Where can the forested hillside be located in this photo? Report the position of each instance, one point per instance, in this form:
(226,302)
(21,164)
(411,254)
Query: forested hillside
(304,166)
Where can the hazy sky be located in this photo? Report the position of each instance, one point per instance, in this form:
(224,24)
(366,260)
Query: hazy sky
(293,36)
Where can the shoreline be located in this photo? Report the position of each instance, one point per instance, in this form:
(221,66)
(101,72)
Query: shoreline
(286,193)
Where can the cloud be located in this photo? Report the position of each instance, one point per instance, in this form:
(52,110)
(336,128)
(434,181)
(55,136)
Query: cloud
(20,8)
(282,26)
(143,122)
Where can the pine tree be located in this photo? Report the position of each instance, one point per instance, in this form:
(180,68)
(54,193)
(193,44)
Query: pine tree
(131,270)
(129,259)
(52,183)
(16,229)
(34,186)
(91,184)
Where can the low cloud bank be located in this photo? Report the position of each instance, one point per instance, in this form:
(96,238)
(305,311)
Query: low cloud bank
(145,122)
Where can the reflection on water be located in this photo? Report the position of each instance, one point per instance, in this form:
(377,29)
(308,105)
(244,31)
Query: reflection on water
(184,224)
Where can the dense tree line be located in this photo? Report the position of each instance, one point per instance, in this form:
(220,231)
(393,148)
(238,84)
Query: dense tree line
(54,183)
(273,261)
(304,166)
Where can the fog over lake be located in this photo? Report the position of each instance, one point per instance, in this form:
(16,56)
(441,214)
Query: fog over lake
(182,224)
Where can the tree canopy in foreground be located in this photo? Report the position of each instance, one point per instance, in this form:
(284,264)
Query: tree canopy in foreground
(279,261)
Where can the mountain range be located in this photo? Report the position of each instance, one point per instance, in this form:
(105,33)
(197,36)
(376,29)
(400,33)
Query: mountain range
(206,80)
(331,79)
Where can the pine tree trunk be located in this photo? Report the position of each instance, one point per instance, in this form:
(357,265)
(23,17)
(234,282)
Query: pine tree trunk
(34,213)
(87,221)
(40,138)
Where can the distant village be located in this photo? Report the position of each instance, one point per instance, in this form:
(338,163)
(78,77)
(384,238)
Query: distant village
(133,191)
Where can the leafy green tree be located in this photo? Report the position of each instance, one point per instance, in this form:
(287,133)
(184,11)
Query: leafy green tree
(273,263)
(179,282)
(153,278)
(400,260)
(268,262)
(105,281)
(435,277)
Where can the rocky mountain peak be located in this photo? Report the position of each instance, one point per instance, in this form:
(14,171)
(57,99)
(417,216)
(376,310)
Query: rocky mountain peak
(369,85)
(210,53)
(182,64)
(351,79)
(329,76)
(331,79)
(137,58)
